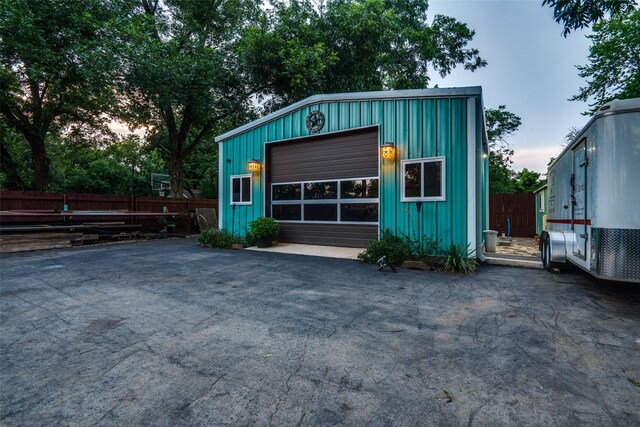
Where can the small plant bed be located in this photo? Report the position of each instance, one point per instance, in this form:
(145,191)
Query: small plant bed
(421,253)
(264,230)
(219,239)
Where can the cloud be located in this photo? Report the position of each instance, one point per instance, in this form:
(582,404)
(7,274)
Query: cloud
(535,158)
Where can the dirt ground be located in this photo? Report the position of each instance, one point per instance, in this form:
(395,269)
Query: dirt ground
(168,333)
(521,246)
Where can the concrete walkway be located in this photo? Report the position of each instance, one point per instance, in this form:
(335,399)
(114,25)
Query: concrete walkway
(312,250)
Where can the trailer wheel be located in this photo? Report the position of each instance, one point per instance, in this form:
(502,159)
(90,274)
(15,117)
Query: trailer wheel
(546,254)
(546,257)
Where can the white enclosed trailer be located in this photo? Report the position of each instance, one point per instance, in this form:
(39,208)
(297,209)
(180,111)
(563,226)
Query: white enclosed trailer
(593,218)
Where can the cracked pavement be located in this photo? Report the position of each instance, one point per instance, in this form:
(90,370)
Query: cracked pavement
(168,333)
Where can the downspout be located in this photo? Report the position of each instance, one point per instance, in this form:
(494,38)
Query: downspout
(481,172)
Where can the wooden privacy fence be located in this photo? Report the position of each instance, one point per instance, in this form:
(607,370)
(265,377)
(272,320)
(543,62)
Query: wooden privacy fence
(519,207)
(41,201)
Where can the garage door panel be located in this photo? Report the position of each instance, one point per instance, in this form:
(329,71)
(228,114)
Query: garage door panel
(346,156)
(356,236)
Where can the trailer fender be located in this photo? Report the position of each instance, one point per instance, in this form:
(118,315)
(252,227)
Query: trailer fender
(557,252)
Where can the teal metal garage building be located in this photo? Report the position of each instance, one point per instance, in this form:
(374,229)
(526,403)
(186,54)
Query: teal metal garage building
(336,169)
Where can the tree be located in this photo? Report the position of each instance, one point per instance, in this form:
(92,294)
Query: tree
(352,45)
(196,68)
(614,61)
(527,181)
(501,124)
(14,158)
(578,14)
(56,71)
(570,136)
(123,166)
(182,78)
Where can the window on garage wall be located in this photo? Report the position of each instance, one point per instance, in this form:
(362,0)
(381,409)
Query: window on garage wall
(241,189)
(423,180)
(352,200)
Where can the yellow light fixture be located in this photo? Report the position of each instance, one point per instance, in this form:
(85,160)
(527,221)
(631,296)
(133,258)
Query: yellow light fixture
(388,151)
(253,165)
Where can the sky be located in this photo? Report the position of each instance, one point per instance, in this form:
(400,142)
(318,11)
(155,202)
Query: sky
(531,70)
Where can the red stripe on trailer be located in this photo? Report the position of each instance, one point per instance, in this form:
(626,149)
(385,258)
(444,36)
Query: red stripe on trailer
(568,221)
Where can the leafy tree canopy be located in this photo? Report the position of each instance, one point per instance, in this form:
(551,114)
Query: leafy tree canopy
(298,49)
(614,61)
(57,69)
(501,124)
(577,14)
(527,181)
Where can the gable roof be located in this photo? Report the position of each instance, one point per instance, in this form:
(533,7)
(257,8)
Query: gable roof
(355,96)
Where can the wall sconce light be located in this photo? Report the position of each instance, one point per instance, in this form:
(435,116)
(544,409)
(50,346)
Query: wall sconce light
(253,166)
(485,155)
(388,151)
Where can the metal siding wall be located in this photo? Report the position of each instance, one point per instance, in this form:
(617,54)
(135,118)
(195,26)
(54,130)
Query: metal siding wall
(419,128)
(443,142)
(389,169)
(458,170)
(402,140)
(354,115)
(428,215)
(415,219)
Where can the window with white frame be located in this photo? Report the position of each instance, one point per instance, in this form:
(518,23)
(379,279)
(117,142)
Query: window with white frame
(542,201)
(423,180)
(341,200)
(241,189)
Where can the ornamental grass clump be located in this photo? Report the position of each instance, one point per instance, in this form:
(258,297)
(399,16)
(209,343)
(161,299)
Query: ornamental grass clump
(458,259)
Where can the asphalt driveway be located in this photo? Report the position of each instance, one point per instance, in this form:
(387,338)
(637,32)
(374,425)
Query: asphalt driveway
(167,333)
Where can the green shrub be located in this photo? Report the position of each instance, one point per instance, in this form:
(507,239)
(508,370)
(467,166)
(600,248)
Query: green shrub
(395,248)
(217,238)
(458,259)
(264,227)
(249,240)
(423,249)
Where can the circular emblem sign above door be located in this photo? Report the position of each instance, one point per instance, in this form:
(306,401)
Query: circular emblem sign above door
(315,121)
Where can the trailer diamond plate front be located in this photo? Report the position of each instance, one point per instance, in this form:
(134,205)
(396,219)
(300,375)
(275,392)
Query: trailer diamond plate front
(615,253)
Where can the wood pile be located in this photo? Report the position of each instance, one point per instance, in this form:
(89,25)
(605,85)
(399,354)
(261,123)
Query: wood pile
(21,238)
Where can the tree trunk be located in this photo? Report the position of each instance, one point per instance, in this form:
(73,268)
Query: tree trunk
(40,163)
(176,176)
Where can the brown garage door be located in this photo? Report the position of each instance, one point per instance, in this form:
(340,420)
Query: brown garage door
(324,190)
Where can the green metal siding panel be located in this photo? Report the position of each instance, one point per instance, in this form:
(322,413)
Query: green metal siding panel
(365,114)
(388,183)
(345,115)
(428,214)
(443,142)
(286,127)
(458,196)
(541,213)
(354,115)
(332,120)
(414,219)
(419,128)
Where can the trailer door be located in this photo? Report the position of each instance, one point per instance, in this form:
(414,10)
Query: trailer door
(579,218)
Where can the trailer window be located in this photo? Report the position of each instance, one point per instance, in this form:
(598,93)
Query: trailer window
(541,201)
(423,179)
